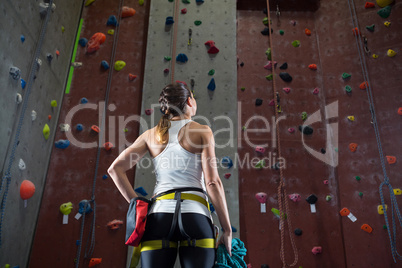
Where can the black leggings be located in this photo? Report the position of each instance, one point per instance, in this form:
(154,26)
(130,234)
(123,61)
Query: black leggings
(197,226)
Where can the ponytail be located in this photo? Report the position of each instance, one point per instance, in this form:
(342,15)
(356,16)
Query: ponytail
(162,129)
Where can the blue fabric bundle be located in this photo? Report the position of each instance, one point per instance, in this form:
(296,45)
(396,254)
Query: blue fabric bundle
(224,260)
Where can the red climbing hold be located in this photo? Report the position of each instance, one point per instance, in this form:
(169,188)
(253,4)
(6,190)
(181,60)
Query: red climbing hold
(260,149)
(115,224)
(210,43)
(369,5)
(94,261)
(108,146)
(287,90)
(131,77)
(212,48)
(184,83)
(307,32)
(49,117)
(57,53)
(127,12)
(400,111)
(148,111)
(272,102)
(27,189)
(184,11)
(95,128)
(316,250)
(363,85)
(353,147)
(312,66)
(291,130)
(95,42)
(227,175)
(316,91)
(356,31)
(391,159)
(166,71)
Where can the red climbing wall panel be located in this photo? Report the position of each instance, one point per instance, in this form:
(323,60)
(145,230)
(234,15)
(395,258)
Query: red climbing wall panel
(71,171)
(332,47)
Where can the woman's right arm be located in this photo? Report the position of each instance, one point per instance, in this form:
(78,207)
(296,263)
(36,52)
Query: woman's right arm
(214,186)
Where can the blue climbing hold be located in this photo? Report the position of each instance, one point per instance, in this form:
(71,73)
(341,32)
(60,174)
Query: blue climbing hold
(83,42)
(105,177)
(227,162)
(199,1)
(62,144)
(182,58)
(84,100)
(82,207)
(111,21)
(77,242)
(105,65)
(23,83)
(22,38)
(79,127)
(211,85)
(141,191)
(234,230)
(169,20)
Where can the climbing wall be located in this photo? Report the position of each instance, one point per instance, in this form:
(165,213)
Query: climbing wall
(347,179)
(24,152)
(72,170)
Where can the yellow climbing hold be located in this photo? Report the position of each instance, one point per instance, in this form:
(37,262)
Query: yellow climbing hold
(351,118)
(111,32)
(384,3)
(375,56)
(89,2)
(62,29)
(140,2)
(53,103)
(387,23)
(397,192)
(119,65)
(381,210)
(46,131)
(391,53)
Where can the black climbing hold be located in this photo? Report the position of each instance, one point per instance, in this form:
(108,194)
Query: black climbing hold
(83,42)
(298,231)
(312,199)
(285,77)
(265,11)
(15,73)
(276,166)
(241,64)
(258,102)
(307,130)
(284,66)
(266,31)
(323,151)
(49,57)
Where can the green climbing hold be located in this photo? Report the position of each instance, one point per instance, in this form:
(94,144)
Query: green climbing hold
(211,72)
(171,0)
(46,131)
(119,65)
(336,149)
(265,21)
(243,88)
(126,130)
(281,32)
(384,227)
(348,89)
(296,43)
(277,213)
(186,1)
(370,27)
(53,103)
(243,128)
(358,178)
(360,194)
(260,164)
(197,22)
(269,77)
(346,76)
(304,116)
(384,12)
(328,198)
(167,58)
(268,53)
(141,2)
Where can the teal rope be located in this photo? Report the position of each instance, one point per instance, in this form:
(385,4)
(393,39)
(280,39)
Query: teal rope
(224,260)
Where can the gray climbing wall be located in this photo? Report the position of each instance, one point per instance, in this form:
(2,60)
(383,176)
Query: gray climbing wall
(214,108)
(23,18)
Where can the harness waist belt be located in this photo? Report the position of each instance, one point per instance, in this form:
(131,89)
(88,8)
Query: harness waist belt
(185,196)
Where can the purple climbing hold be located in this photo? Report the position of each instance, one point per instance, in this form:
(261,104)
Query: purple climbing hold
(211,85)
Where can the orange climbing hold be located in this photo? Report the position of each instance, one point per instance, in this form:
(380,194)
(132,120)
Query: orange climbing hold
(353,147)
(363,85)
(312,66)
(95,128)
(367,228)
(391,159)
(131,77)
(57,53)
(400,111)
(356,31)
(95,42)
(369,5)
(344,212)
(307,32)
(127,12)
(49,117)
(108,145)
(27,189)
(94,261)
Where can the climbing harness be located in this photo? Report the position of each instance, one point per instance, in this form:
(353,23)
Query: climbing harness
(34,67)
(394,204)
(282,195)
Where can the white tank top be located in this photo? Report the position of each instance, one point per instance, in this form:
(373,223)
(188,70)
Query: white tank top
(175,167)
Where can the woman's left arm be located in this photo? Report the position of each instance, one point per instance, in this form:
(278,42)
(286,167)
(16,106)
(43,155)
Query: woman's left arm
(125,161)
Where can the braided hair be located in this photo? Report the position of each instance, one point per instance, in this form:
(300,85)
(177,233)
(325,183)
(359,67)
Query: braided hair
(172,101)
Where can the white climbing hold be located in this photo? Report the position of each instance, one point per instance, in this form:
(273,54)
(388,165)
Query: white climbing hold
(33,115)
(44,6)
(21,165)
(64,127)
(18,98)
(38,62)
(76,64)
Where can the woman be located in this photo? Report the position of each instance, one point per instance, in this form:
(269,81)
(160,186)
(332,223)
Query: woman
(183,154)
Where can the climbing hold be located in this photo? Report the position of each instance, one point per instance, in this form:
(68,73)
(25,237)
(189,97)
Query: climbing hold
(212,48)
(49,57)
(105,177)
(227,175)
(110,32)
(285,77)
(66,208)
(49,117)
(182,58)
(367,228)
(94,261)
(141,191)
(148,111)
(291,130)
(62,144)
(197,22)
(271,102)
(63,29)
(380,209)
(307,32)
(296,43)
(166,71)
(258,102)
(57,53)
(293,22)
(227,162)
(89,2)
(369,5)
(391,53)
(167,58)
(186,1)
(306,130)
(351,118)
(111,21)
(94,43)
(22,38)
(23,83)
(33,115)
(281,32)
(119,65)
(316,250)
(323,151)
(84,100)
(358,178)
(266,31)
(115,224)
(81,206)
(353,147)
(268,53)
(184,11)
(27,189)
(355,31)
(199,1)
(46,131)
(18,98)
(304,116)
(384,12)
(211,85)
(397,191)
(260,149)
(108,146)
(268,66)
(169,20)
(269,77)
(141,2)
(328,198)
(375,56)
(21,164)
(316,91)
(387,23)
(15,73)
(284,66)
(211,72)
(346,76)
(64,127)
(83,42)
(276,212)
(260,164)
(287,90)
(95,129)
(348,89)
(131,77)
(242,88)
(298,232)
(295,197)
(312,66)
(243,128)
(261,197)
(360,194)
(265,21)
(391,159)
(400,110)
(326,182)
(241,64)
(370,28)
(363,85)
(53,103)
(105,65)
(127,12)
(383,3)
